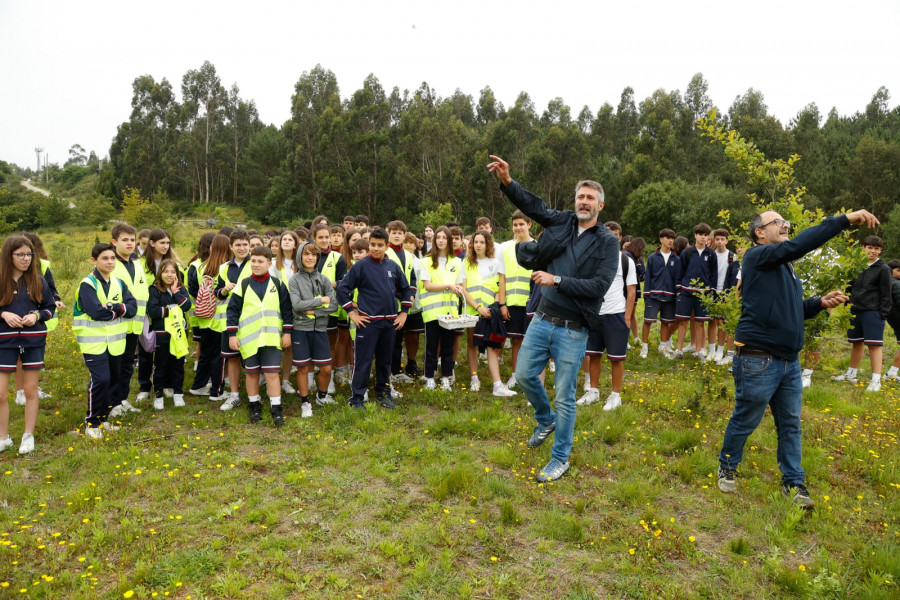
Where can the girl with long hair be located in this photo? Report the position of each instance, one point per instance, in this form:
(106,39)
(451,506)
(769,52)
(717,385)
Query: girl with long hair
(439,291)
(208,378)
(26,304)
(166,308)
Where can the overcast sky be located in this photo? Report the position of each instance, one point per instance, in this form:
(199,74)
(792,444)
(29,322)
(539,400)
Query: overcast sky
(68,66)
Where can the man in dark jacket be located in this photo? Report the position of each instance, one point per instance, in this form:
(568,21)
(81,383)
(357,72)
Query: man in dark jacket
(768,338)
(574,262)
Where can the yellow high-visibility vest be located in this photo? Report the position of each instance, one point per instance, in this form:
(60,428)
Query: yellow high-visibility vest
(482,292)
(260,322)
(518,279)
(96,337)
(435,304)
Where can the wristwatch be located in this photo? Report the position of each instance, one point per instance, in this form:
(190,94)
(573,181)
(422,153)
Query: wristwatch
(556,280)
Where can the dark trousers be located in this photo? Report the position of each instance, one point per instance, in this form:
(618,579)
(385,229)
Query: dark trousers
(375,342)
(435,336)
(104,370)
(209,365)
(145,368)
(168,371)
(397,353)
(126,369)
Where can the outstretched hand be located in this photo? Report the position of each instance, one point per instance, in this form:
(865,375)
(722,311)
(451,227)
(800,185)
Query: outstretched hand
(832,299)
(863,217)
(500,168)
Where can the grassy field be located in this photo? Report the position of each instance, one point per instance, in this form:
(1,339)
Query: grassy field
(438,500)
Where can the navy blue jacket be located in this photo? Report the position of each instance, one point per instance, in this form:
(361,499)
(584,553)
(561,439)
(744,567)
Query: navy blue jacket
(697,265)
(21,305)
(773,308)
(381,283)
(158,303)
(871,290)
(660,278)
(593,270)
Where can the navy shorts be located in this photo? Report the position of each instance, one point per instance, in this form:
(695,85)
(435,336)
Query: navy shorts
(688,304)
(612,337)
(518,322)
(310,348)
(32,359)
(866,326)
(332,322)
(227,352)
(414,324)
(653,309)
(267,359)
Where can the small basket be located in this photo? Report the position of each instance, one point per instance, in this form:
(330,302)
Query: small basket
(460,322)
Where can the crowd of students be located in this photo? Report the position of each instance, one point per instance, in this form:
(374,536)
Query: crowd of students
(328,301)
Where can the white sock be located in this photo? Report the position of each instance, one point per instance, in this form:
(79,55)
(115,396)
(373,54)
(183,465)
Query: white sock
(712,348)
(851,372)
(643,345)
(614,395)
(807,372)
(720,350)
(593,389)
(498,384)
(430,381)
(876,376)
(235,394)
(253,398)
(892,372)
(274,400)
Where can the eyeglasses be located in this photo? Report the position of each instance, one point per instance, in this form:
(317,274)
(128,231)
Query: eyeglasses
(23,255)
(778,223)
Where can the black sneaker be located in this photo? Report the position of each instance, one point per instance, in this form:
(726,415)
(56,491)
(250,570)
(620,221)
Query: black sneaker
(255,412)
(277,415)
(412,369)
(360,407)
(799,495)
(387,402)
(726,480)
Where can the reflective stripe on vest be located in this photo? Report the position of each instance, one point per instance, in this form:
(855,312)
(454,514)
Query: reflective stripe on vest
(518,279)
(219,320)
(139,288)
(96,337)
(482,292)
(53,323)
(407,267)
(260,323)
(435,304)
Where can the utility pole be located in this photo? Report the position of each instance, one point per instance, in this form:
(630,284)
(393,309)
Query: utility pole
(38,151)
(47,167)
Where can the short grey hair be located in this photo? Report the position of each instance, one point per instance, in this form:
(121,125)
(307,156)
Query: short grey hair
(755,223)
(593,185)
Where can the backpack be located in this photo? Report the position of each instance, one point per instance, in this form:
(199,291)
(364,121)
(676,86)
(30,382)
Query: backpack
(205,305)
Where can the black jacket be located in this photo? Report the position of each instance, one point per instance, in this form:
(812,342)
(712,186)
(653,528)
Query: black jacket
(872,289)
(596,268)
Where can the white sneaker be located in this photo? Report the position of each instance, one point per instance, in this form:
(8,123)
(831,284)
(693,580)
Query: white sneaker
(117,411)
(501,391)
(806,381)
(168,392)
(587,382)
(204,391)
(475,384)
(109,426)
(128,407)
(331,389)
(701,354)
(445,385)
(142,396)
(676,354)
(233,401)
(159,403)
(328,399)
(401,378)
(27,445)
(689,348)
(613,402)
(218,398)
(430,385)
(727,360)
(179,400)
(93,432)
(394,393)
(845,377)
(889,377)
(589,397)
(42,395)
(512,382)
(20,397)
(664,350)
(305,410)
(874,386)
(4,444)
(644,351)
(287,388)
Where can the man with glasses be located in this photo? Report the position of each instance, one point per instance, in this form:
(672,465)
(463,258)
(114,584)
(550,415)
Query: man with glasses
(768,338)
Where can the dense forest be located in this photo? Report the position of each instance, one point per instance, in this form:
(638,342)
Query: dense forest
(409,154)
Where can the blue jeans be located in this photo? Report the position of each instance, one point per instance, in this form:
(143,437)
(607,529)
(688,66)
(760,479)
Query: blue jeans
(758,383)
(542,342)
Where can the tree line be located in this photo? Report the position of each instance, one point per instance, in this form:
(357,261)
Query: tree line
(409,155)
